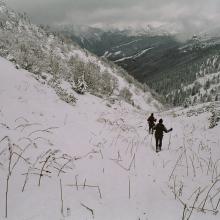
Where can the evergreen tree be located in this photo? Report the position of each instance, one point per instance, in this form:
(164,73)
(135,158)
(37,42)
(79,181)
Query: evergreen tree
(213,120)
(81,85)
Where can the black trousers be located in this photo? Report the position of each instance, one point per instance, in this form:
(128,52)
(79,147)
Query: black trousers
(151,129)
(158,143)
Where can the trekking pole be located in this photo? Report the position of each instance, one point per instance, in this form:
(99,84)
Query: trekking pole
(169,141)
(170,137)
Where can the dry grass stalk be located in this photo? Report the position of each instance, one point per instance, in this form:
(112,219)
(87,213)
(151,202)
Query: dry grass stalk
(89,209)
(61,196)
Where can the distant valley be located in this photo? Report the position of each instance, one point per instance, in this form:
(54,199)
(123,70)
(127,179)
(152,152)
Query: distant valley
(170,67)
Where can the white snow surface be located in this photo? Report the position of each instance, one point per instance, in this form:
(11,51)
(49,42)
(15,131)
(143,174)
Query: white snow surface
(142,52)
(134,56)
(97,153)
(124,58)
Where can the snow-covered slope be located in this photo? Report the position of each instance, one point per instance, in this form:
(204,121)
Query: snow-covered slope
(39,51)
(205,86)
(91,161)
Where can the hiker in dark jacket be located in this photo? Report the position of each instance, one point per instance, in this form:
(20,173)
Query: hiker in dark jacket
(151,122)
(159,129)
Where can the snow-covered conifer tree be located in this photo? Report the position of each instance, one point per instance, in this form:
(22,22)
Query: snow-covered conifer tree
(81,85)
(213,119)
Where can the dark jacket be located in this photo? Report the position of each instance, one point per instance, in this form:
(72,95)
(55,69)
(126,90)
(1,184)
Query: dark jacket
(151,120)
(159,129)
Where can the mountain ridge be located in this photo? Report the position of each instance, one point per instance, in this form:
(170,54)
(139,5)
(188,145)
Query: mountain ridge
(164,62)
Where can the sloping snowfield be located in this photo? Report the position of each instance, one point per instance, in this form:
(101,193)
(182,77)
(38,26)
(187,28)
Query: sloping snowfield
(91,161)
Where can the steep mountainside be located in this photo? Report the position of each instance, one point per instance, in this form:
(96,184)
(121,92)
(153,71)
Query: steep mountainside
(117,44)
(53,59)
(167,65)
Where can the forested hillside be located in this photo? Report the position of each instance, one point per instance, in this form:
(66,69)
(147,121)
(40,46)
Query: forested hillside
(160,60)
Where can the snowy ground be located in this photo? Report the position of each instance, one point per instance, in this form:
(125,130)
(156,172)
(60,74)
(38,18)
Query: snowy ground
(91,161)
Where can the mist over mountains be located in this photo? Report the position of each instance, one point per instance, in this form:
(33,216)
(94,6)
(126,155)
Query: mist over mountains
(181,67)
(36,49)
(166,61)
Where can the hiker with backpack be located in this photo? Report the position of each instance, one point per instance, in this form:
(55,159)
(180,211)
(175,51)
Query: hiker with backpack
(151,122)
(159,129)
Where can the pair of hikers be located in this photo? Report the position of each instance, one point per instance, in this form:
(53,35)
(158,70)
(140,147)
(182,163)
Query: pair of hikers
(159,129)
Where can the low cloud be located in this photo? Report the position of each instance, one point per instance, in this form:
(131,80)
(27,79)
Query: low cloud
(187,15)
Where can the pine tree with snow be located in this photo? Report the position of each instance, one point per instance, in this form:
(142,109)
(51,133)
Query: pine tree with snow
(81,85)
(213,119)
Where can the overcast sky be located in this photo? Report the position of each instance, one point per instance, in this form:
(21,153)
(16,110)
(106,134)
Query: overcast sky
(187,14)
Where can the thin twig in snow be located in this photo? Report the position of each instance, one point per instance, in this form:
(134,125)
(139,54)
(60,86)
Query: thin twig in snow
(175,166)
(208,193)
(21,118)
(23,126)
(41,172)
(61,169)
(61,196)
(91,210)
(89,186)
(47,130)
(129,188)
(196,199)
